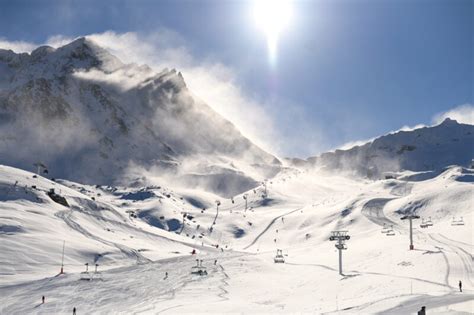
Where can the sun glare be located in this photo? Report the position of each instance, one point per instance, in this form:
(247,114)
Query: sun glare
(272,16)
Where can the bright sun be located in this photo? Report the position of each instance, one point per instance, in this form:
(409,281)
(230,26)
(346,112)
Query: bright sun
(272,16)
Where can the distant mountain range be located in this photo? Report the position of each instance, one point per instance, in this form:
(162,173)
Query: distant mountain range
(423,149)
(91,118)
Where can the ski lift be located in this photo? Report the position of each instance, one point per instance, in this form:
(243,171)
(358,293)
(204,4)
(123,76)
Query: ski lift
(199,269)
(85,275)
(423,224)
(97,275)
(460,221)
(429,222)
(279,259)
(390,232)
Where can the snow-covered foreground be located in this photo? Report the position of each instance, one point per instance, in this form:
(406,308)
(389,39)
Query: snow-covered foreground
(134,252)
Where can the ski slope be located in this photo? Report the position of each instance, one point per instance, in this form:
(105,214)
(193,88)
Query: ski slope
(301,208)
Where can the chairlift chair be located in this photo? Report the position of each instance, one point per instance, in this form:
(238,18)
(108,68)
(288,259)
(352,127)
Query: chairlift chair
(457,222)
(429,222)
(279,258)
(85,275)
(390,232)
(97,275)
(460,221)
(199,269)
(423,224)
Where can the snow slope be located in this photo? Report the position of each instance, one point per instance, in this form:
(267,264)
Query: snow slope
(301,208)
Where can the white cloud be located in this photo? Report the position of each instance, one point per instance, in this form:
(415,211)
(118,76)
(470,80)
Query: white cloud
(409,128)
(462,114)
(351,144)
(17,46)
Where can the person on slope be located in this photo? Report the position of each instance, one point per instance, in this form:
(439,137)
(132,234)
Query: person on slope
(460,286)
(42,300)
(74,311)
(422,311)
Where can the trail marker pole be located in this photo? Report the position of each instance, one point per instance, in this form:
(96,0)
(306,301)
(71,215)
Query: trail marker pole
(410,218)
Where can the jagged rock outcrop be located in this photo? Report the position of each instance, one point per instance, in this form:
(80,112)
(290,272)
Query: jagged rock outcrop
(90,117)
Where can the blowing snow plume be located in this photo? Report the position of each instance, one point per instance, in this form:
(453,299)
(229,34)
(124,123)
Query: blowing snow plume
(90,117)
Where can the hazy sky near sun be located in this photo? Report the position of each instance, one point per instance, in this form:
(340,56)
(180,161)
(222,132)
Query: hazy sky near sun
(344,69)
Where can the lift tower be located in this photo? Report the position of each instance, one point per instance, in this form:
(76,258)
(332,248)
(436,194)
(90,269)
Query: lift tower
(341,237)
(245,196)
(410,217)
(218,203)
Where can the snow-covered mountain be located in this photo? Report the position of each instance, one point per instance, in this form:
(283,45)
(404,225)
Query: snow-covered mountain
(423,149)
(91,118)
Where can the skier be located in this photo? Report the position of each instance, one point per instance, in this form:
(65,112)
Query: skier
(460,286)
(166,275)
(42,299)
(215,262)
(74,311)
(422,311)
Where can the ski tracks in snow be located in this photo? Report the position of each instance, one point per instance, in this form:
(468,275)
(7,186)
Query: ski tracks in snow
(459,261)
(269,226)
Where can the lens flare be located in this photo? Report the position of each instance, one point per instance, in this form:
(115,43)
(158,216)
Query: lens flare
(272,16)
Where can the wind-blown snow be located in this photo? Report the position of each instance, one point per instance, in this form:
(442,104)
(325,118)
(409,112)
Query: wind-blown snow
(301,209)
(91,118)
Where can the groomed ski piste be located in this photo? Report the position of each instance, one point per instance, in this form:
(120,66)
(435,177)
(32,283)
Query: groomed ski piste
(145,254)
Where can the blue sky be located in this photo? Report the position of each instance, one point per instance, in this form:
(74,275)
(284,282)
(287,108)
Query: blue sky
(346,69)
